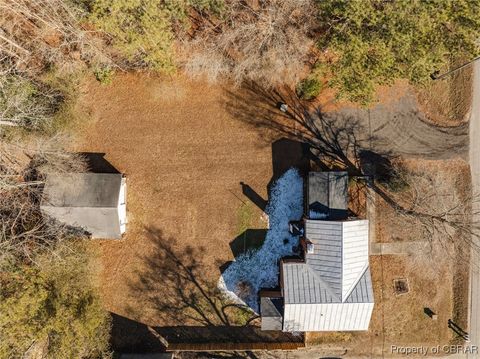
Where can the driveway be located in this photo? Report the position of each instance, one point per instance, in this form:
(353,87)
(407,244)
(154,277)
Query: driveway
(401,129)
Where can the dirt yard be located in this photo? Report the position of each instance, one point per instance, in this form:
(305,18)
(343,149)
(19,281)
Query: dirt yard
(185,158)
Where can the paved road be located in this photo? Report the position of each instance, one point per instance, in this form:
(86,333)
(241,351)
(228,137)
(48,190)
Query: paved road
(399,127)
(474,157)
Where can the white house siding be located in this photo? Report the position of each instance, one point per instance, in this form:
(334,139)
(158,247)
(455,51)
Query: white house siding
(327,317)
(354,254)
(122,206)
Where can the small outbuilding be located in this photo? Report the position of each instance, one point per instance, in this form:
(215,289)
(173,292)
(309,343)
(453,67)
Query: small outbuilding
(95,202)
(271,307)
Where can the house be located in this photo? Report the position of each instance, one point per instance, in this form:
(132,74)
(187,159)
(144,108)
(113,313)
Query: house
(95,202)
(329,288)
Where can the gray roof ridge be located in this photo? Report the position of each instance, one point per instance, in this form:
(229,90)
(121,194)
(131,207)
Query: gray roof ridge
(354,285)
(323,283)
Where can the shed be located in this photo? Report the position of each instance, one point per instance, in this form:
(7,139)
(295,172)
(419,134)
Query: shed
(271,309)
(95,202)
(327,195)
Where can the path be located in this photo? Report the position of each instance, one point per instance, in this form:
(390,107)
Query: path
(398,247)
(400,128)
(474,156)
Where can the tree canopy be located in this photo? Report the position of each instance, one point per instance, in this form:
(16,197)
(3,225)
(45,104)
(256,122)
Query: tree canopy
(53,308)
(144,30)
(375,42)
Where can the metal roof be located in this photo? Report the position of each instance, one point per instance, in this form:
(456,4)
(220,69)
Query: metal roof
(327,317)
(334,280)
(85,200)
(340,253)
(302,285)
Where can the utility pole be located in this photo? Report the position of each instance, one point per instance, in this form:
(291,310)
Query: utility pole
(436,75)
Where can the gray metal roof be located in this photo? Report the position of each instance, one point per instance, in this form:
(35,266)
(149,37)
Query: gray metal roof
(327,194)
(337,267)
(326,259)
(301,285)
(363,291)
(85,200)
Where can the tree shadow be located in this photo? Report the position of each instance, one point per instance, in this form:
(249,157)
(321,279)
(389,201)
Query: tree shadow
(174,286)
(174,281)
(250,239)
(338,141)
(331,139)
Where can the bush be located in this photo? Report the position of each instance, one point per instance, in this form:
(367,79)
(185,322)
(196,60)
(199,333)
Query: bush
(53,307)
(27,103)
(309,88)
(104,75)
(395,183)
(268,42)
(144,30)
(376,42)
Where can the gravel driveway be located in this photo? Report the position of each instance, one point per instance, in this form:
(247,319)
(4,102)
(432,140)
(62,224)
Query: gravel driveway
(399,128)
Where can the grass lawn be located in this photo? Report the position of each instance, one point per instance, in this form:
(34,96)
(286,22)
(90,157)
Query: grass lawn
(447,102)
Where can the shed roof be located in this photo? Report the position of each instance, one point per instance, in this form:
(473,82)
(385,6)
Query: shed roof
(271,310)
(327,195)
(83,189)
(85,200)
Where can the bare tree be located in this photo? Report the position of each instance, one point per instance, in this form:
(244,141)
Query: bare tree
(267,42)
(23,229)
(38,33)
(440,209)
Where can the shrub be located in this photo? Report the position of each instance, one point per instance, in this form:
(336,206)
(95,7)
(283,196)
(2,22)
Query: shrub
(376,42)
(27,103)
(144,30)
(53,306)
(104,75)
(267,42)
(309,88)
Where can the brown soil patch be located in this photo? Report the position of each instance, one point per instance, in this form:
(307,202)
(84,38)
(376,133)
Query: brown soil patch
(184,156)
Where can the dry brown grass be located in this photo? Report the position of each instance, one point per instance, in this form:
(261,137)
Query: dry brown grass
(447,102)
(184,157)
